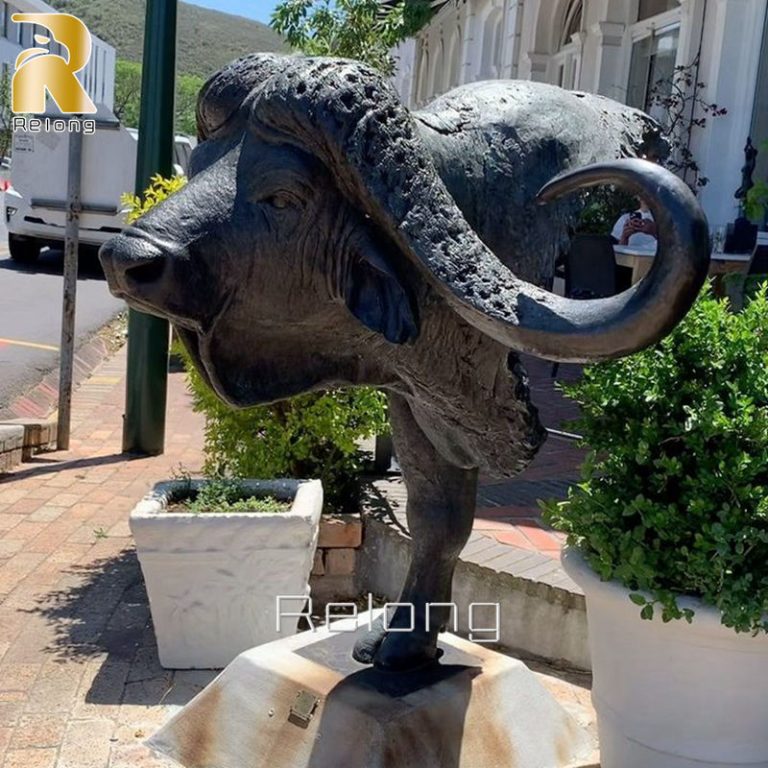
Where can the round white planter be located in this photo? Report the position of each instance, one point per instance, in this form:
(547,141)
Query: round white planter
(673,695)
(212,579)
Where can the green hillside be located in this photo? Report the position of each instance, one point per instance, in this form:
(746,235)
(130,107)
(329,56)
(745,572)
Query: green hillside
(206,39)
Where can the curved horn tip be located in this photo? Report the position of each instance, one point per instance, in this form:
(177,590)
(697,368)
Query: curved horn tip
(591,175)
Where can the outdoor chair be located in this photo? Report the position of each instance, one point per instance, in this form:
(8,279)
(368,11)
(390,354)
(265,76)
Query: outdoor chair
(590,270)
(759,263)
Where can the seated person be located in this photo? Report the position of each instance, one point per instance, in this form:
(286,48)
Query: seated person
(637,228)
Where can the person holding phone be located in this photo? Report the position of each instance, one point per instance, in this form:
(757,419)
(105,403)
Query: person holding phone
(636,228)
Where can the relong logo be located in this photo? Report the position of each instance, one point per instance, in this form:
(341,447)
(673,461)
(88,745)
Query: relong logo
(38,70)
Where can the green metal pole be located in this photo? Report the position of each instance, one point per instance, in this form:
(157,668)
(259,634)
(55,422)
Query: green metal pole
(147,377)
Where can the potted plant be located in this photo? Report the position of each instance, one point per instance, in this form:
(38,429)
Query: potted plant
(668,538)
(215,555)
(756,203)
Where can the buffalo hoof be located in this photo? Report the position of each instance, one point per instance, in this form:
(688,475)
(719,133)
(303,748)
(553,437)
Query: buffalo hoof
(396,651)
(365,648)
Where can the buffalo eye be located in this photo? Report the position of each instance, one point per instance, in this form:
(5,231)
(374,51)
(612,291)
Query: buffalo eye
(280,200)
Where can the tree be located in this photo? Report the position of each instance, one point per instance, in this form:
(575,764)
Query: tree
(128,96)
(6,115)
(127,92)
(187,89)
(366,30)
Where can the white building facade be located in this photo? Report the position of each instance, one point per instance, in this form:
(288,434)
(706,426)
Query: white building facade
(98,76)
(617,48)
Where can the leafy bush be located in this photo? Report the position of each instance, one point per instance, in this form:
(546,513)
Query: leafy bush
(674,498)
(311,436)
(158,189)
(603,206)
(756,204)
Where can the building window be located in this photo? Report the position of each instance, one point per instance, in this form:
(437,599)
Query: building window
(648,8)
(95,82)
(4,19)
(438,76)
(103,77)
(651,70)
(454,72)
(571,23)
(26,35)
(17,28)
(422,83)
(568,57)
(492,45)
(760,111)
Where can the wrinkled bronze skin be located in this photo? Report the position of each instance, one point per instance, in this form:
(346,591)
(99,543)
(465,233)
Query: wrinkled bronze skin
(328,237)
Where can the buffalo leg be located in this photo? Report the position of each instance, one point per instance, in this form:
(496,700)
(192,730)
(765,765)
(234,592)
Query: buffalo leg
(440,510)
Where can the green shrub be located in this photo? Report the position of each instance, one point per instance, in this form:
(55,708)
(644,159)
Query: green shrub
(311,436)
(603,206)
(674,498)
(158,189)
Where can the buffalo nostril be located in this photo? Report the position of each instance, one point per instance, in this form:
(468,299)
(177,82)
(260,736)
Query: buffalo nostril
(146,271)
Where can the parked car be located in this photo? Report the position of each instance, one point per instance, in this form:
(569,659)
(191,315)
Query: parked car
(35,202)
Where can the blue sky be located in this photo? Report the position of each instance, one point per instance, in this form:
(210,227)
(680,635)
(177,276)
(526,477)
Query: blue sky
(253,9)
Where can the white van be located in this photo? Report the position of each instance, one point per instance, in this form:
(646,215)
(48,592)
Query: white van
(35,204)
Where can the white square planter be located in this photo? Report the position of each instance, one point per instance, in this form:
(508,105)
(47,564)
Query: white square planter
(212,579)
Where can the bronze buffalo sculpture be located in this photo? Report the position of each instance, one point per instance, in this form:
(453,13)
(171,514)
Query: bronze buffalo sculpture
(329,237)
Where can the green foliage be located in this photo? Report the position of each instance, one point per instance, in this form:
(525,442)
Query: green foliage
(127,92)
(311,436)
(128,97)
(366,30)
(756,203)
(155,193)
(221,495)
(205,42)
(187,89)
(6,115)
(602,207)
(674,498)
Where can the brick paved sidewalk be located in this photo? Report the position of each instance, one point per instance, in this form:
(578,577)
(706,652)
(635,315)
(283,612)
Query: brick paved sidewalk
(80,684)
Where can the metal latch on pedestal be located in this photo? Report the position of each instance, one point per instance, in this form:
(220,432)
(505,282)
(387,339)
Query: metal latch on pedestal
(303,709)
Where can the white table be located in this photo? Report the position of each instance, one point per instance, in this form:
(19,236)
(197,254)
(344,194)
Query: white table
(639,260)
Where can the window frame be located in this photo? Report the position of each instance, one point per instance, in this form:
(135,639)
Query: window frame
(651,27)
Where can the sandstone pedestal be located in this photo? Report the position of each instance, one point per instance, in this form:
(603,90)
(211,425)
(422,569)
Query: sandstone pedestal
(302,702)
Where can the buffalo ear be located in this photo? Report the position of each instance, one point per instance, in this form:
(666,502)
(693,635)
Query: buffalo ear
(376,297)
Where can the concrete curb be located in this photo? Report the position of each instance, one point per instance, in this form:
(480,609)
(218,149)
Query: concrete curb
(30,414)
(540,616)
(11,445)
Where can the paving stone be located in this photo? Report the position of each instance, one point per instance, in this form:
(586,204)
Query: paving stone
(19,676)
(86,744)
(30,758)
(137,756)
(39,731)
(11,707)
